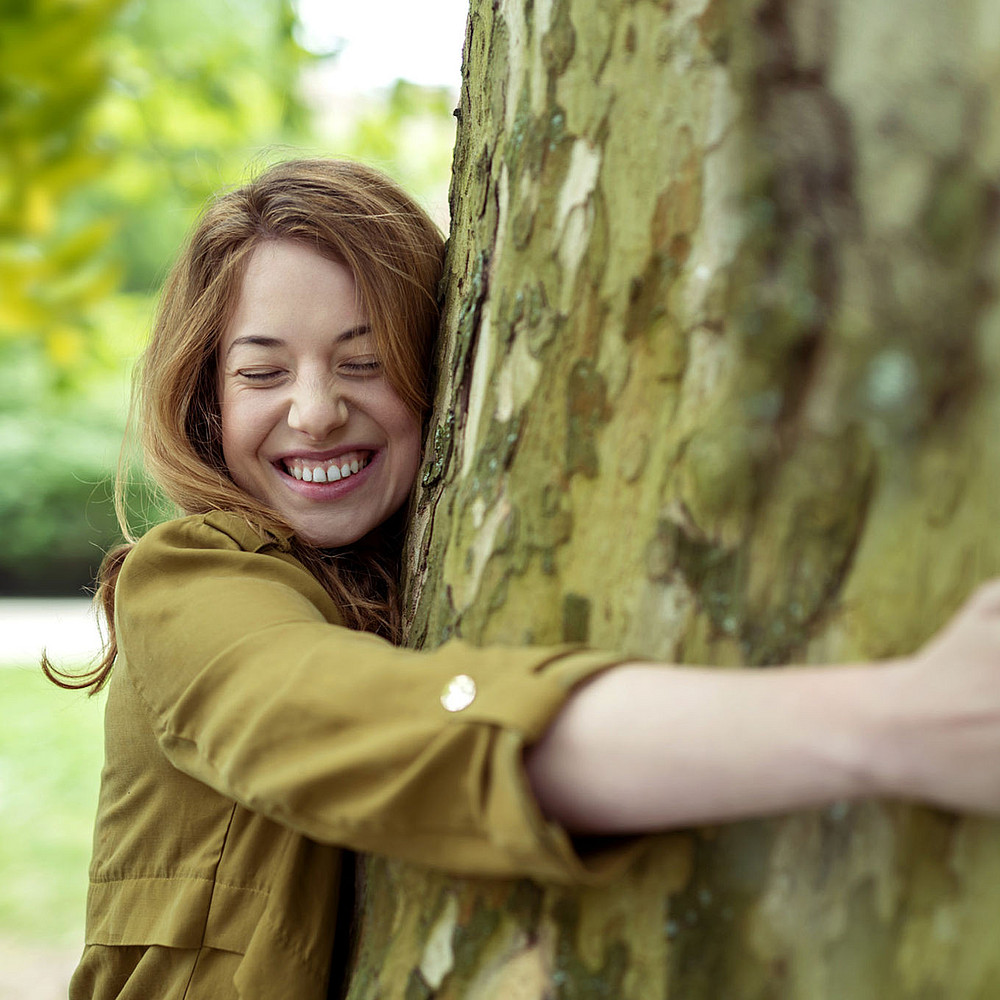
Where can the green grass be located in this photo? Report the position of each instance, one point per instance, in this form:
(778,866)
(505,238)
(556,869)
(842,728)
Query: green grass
(50,759)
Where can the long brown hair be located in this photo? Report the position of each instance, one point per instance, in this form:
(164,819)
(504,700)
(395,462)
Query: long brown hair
(352,215)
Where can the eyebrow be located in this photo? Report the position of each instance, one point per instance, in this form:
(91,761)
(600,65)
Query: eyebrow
(259,340)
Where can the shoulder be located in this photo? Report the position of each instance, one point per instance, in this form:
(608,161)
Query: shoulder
(218,529)
(207,558)
(216,545)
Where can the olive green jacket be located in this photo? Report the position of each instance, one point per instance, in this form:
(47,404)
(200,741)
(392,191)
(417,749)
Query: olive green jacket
(250,736)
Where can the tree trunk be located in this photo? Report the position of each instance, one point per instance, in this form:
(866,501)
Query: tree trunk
(720,386)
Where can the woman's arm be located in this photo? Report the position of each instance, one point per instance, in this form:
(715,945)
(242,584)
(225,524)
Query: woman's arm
(653,747)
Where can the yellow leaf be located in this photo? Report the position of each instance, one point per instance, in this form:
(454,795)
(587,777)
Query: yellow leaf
(39,210)
(64,345)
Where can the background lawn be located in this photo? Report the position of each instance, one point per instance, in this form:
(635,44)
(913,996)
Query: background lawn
(50,759)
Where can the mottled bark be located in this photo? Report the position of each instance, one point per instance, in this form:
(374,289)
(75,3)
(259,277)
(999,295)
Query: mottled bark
(720,386)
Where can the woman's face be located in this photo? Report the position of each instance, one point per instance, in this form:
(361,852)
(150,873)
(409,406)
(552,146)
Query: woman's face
(310,424)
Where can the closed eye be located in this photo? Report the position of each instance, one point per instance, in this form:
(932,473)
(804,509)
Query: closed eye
(258,374)
(362,366)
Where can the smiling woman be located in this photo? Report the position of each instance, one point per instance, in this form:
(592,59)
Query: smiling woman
(310,424)
(260,726)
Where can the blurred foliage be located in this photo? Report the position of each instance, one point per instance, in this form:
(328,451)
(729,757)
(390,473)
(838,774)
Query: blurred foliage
(118,119)
(53,69)
(58,453)
(195,92)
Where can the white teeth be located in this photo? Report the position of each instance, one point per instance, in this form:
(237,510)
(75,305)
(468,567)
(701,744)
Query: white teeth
(325,472)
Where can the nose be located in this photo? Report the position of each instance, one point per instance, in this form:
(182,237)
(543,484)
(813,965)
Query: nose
(316,409)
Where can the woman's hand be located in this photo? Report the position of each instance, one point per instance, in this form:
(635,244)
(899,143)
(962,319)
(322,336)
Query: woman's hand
(942,739)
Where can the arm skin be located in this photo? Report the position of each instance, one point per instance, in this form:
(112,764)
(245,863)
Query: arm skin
(647,747)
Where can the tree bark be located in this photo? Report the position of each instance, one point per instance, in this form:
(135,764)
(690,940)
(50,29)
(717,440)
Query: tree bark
(719,386)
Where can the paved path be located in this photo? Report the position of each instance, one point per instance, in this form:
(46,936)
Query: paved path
(65,627)
(30,972)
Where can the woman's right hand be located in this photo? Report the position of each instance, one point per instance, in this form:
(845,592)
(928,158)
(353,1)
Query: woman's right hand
(942,734)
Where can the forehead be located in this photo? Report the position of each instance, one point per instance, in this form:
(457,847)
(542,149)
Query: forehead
(289,290)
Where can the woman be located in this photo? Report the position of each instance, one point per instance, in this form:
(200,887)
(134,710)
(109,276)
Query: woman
(260,718)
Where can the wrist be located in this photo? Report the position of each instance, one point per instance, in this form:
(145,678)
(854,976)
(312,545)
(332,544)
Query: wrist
(889,759)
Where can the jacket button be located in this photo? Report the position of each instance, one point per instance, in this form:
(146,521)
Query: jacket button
(458,693)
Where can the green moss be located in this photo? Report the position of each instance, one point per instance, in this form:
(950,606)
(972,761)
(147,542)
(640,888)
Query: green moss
(956,210)
(472,935)
(492,69)
(524,904)
(546,517)
(468,316)
(559,43)
(647,299)
(717,576)
(573,978)
(522,226)
(588,411)
(494,457)
(717,473)
(708,919)
(440,450)
(661,552)
(417,988)
(519,141)
(804,539)
(716,26)
(555,130)
(576,618)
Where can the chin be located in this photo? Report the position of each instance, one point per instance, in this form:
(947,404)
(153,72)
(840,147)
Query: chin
(327,538)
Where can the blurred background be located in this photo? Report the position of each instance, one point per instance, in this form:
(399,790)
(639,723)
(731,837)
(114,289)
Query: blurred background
(118,119)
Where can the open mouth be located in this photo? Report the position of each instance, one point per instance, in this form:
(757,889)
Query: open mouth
(331,471)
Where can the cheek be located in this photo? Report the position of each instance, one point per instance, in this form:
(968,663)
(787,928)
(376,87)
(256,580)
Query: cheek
(408,442)
(229,424)
(240,419)
(229,447)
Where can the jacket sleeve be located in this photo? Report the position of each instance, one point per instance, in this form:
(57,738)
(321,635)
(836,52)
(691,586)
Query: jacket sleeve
(253,689)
